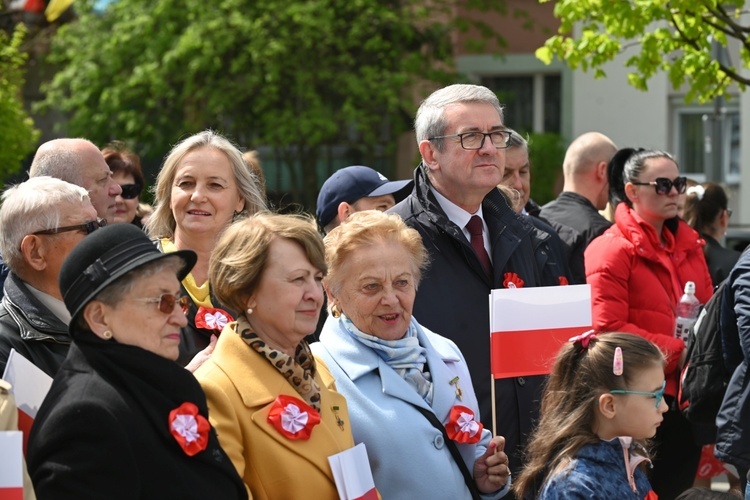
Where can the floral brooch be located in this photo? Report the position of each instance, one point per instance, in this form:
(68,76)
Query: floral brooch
(189,428)
(462,425)
(210,318)
(512,280)
(562,280)
(293,418)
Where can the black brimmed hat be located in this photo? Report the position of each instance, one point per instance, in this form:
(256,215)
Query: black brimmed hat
(106,255)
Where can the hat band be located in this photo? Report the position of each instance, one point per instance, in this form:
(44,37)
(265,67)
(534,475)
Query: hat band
(99,270)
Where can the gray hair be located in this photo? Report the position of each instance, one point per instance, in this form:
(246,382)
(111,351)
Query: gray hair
(57,159)
(517,141)
(162,224)
(430,121)
(32,206)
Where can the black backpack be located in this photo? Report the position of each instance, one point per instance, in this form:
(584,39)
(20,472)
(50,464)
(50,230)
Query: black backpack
(704,379)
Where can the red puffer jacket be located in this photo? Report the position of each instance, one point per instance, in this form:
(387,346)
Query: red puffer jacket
(636,282)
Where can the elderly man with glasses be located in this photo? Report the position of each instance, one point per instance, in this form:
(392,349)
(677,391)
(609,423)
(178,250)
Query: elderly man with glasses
(476,243)
(41,220)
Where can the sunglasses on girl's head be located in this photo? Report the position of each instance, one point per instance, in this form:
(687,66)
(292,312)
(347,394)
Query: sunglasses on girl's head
(130,191)
(167,301)
(664,185)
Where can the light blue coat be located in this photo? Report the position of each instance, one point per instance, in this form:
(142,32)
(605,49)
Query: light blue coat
(408,456)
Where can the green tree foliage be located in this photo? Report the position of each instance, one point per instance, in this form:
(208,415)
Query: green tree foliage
(678,37)
(16,127)
(546,154)
(299,76)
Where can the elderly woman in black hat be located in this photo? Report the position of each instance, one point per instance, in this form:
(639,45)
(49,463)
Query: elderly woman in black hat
(122,419)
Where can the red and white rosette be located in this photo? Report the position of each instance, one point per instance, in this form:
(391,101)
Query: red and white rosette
(210,318)
(512,280)
(189,428)
(462,425)
(293,418)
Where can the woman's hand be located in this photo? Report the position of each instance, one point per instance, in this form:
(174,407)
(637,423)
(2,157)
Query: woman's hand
(491,471)
(202,356)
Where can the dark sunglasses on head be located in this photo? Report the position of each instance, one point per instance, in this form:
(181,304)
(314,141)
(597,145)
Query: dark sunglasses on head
(167,301)
(130,191)
(89,227)
(664,185)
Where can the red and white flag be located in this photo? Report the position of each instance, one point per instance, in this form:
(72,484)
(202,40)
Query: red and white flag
(30,386)
(352,474)
(528,326)
(11,466)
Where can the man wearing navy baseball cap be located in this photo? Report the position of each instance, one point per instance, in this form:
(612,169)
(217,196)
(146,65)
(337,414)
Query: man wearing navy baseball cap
(356,188)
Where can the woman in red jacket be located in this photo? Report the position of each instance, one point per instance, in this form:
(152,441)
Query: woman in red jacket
(637,270)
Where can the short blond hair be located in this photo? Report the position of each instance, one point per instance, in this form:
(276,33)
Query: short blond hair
(241,254)
(363,229)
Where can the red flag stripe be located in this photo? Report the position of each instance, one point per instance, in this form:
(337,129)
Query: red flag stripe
(11,493)
(523,353)
(370,495)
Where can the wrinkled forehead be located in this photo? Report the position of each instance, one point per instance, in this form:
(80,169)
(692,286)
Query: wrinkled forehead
(471,115)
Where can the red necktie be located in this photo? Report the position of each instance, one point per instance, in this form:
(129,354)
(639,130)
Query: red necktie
(477,243)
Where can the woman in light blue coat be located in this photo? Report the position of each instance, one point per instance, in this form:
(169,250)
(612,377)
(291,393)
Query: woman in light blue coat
(408,389)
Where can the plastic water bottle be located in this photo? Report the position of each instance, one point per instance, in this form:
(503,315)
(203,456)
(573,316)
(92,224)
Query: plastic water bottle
(687,312)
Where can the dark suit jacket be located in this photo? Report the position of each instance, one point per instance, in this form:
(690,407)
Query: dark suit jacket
(452,299)
(103,431)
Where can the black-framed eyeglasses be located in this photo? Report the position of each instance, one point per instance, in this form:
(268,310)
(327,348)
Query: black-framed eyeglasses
(167,301)
(475,140)
(130,191)
(658,395)
(664,185)
(88,227)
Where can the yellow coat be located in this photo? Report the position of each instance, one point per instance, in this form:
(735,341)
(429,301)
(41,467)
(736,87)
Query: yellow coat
(241,386)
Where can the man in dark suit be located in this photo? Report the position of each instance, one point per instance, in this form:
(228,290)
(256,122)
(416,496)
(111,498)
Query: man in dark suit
(476,243)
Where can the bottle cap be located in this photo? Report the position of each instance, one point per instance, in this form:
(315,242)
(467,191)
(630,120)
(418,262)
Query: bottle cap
(690,287)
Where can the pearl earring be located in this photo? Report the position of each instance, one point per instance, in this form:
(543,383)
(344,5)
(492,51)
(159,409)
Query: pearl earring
(249,311)
(107,334)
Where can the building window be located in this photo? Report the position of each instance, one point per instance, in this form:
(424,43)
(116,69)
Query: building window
(532,103)
(693,141)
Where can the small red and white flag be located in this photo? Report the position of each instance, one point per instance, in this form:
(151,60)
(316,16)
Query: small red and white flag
(352,474)
(30,386)
(11,466)
(528,326)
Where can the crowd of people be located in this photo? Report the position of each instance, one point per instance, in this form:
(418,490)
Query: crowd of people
(209,347)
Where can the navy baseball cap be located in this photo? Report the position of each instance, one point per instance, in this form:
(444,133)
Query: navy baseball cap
(349,184)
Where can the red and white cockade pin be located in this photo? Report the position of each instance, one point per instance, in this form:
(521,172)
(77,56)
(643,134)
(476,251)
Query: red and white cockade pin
(512,280)
(462,425)
(210,318)
(293,418)
(189,428)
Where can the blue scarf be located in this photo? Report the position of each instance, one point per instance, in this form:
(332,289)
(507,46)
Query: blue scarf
(405,356)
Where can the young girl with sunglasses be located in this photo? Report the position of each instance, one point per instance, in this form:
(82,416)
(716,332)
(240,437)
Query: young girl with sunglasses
(637,271)
(604,399)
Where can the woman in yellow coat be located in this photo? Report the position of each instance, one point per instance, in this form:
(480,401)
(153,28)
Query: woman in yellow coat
(275,409)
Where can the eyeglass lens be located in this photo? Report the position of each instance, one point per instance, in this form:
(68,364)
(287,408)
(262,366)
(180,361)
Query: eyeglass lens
(475,140)
(168,301)
(130,191)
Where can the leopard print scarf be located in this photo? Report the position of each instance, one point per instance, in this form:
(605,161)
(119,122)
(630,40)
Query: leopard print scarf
(299,371)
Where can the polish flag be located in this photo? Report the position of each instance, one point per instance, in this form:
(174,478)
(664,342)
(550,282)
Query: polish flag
(529,326)
(11,466)
(352,474)
(30,386)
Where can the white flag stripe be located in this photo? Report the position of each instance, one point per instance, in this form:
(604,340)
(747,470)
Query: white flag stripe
(518,309)
(11,475)
(30,384)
